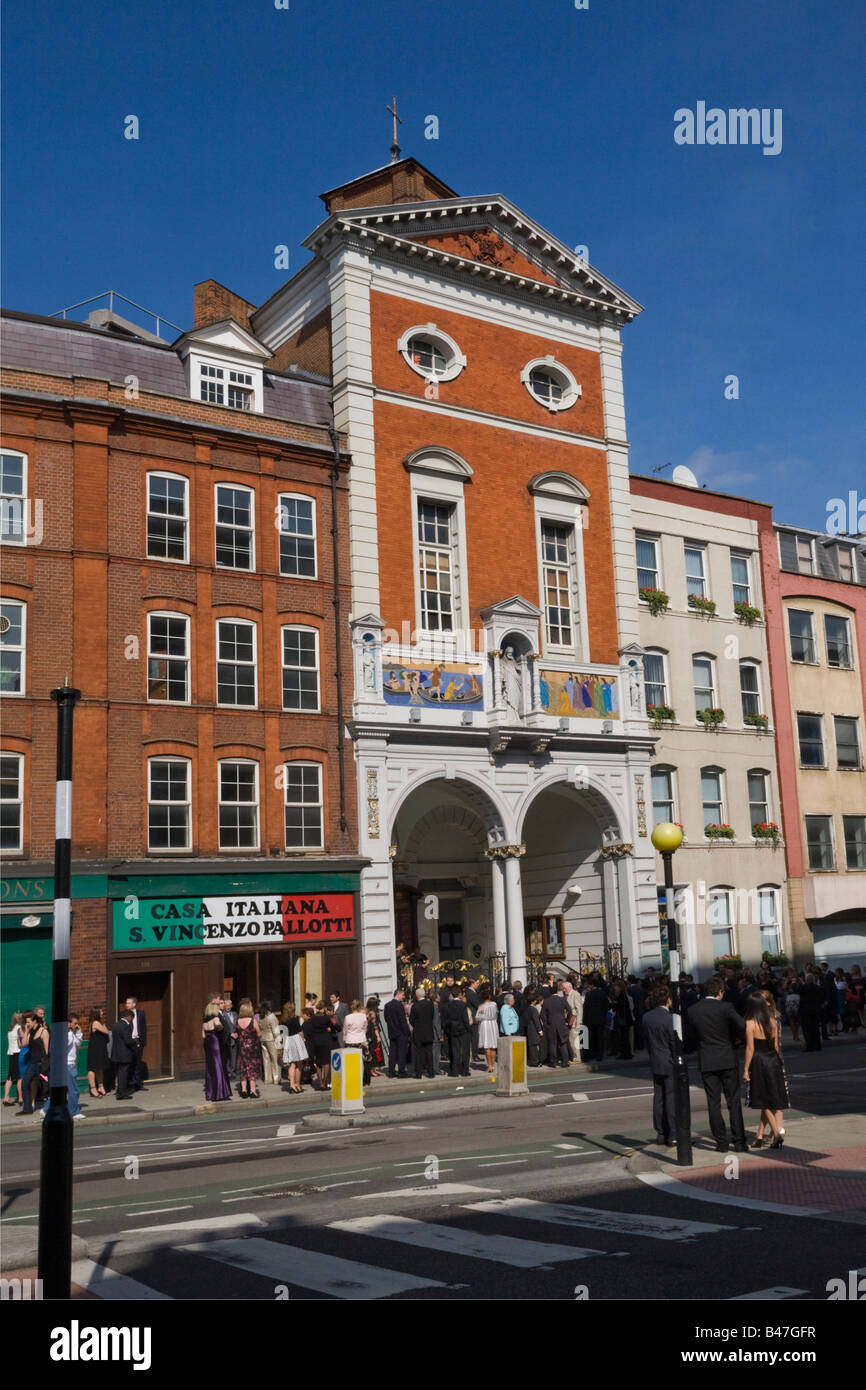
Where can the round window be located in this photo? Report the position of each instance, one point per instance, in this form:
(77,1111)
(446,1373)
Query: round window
(551,384)
(431,353)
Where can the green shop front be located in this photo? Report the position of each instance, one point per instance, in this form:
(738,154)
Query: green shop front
(175,940)
(26,925)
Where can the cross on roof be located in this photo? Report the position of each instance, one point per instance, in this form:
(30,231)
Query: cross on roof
(395,148)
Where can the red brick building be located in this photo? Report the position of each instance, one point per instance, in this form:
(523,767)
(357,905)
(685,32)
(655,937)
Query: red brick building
(175,531)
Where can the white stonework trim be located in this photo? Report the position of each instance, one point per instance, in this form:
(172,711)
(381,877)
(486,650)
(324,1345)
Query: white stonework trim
(482,417)
(557,509)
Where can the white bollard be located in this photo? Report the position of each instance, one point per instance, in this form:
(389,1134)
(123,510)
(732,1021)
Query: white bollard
(511,1067)
(347,1077)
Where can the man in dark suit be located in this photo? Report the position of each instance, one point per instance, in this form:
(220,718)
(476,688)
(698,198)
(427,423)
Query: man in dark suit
(595,1007)
(660,1038)
(399,1034)
(228,1035)
(455,1016)
(124,1054)
(555,1019)
(421,1022)
(341,1008)
(811,1005)
(830,1011)
(473,999)
(717,1026)
(139,1039)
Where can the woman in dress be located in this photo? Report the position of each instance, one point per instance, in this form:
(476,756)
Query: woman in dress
(216,1087)
(487,1019)
(320,1035)
(270,1030)
(97,1053)
(764,1073)
(13,1052)
(294,1050)
(249,1050)
(374,1037)
(533,1030)
(355,1026)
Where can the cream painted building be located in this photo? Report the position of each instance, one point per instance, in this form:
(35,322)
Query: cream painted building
(707,674)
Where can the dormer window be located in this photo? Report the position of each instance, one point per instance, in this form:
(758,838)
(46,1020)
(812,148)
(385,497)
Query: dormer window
(225,386)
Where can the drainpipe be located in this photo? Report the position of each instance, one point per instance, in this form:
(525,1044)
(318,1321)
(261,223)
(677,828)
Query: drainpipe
(338,625)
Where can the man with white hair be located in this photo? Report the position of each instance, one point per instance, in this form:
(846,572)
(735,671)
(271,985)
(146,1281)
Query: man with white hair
(421,1023)
(574,1001)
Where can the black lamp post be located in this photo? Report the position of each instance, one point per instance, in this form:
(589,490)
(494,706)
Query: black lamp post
(667,838)
(55,1184)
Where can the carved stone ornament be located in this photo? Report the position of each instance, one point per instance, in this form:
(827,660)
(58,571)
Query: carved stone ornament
(372,783)
(617,851)
(641,807)
(505,851)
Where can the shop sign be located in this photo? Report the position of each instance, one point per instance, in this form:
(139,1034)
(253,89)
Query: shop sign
(315,919)
(22,890)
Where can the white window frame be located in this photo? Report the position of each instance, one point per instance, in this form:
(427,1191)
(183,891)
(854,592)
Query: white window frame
(447,492)
(320,803)
(813,639)
(722,802)
(251,529)
(186,763)
(239,622)
(698,549)
(755,666)
(766,803)
(835,665)
(720,893)
(834,859)
(18,800)
(9,500)
(203,365)
(670,773)
(151,656)
(556,511)
(824,763)
(176,478)
(858,740)
(851,868)
(704,656)
(311,501)
(568,383)
(746,557)
(455,360)
(301,709)
(663,655)
(655,542)
(255,803)
(20,647)
(774,892)
(848,550)
(810,541)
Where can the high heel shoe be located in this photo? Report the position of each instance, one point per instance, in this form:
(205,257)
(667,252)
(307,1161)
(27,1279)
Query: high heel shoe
(757,1142)
(779,1140)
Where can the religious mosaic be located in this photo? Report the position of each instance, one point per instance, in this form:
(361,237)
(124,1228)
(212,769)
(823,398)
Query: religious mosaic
(576,695)
(444,683)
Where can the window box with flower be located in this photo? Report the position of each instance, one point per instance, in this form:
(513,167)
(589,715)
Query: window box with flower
(702,605)
(661,714)
(756,721)
(720,832)
(728,962)
(711,718)
(747,615)
(655,599)
(767,830)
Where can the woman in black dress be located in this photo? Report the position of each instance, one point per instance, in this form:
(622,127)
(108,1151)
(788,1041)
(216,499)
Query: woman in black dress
(97,1053)
(320,1035)
(764,1073)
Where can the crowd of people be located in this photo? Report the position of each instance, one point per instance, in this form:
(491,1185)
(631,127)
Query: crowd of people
(426,1029)
(113,1054)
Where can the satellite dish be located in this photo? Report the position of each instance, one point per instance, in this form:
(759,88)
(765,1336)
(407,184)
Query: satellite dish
(684,476)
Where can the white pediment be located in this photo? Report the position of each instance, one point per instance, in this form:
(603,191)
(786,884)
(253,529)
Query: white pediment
(514,609)
(225,339)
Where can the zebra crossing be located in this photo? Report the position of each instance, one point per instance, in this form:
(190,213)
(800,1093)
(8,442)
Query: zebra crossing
(385,1254)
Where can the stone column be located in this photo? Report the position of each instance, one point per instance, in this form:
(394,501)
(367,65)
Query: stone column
(500,920)
(514,910)
(609,905)
(628,937)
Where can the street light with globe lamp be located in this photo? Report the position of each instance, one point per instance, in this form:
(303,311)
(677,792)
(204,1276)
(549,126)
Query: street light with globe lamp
(667,838)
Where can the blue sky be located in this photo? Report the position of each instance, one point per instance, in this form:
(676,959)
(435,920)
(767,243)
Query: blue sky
(747,264)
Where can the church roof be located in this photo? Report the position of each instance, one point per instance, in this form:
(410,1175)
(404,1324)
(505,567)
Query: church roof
(401,181)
